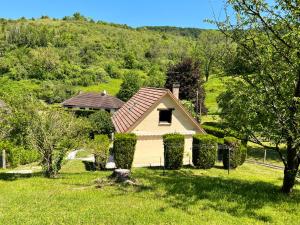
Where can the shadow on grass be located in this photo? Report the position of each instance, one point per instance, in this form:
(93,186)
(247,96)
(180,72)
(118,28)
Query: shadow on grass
(15,176)
(239,198)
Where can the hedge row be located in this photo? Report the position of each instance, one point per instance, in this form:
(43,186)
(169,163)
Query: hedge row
(173,150)
(123,150)
(204,151)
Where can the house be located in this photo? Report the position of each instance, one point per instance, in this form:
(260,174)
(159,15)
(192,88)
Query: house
(151,113)
(94,101)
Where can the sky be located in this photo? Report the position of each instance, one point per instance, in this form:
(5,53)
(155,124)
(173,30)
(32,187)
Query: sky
(135,13)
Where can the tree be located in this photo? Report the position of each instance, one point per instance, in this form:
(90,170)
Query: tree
(187,74)
(266,103)
(131,84)
(53,133)
(100,149)
(101,123)
(210,49)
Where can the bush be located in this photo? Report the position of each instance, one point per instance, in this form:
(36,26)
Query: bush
(123,149)
(173,150)
(100,149)
(101,123)
(234,147)
(215,131)
(243,149)
(16,155)
(204,151)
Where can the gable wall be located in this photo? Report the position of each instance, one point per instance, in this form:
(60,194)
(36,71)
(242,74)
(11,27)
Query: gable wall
(180,121)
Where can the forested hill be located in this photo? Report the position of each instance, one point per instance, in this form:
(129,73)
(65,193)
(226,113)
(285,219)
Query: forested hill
(189,32)
(80,51)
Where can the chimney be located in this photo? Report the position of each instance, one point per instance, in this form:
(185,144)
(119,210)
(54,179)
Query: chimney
(175,90)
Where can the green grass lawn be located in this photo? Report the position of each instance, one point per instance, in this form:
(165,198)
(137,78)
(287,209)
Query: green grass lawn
(249,195)
(112,87)
(213,88)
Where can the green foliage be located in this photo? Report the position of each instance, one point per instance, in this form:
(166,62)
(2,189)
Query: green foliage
(215,131)
(53,133)
(17,155)
(187,74)
(100,149)
(173,151)
(101,123)
(243,149)
(131,84)
(123,150)
(204,151)
(233,146)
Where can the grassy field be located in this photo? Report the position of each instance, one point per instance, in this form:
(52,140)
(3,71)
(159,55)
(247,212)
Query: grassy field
(112,87)
(213,88)
(249,195)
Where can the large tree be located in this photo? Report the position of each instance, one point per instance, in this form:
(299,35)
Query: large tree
(264,103)
(187,74)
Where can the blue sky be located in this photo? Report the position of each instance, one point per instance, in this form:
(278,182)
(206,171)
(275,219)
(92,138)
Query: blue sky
(183,13)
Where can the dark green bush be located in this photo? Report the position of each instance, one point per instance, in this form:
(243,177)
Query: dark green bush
(243,149)
(173,150)
(101,123)
(233,146)
(215,131)
(204,151)
(123,149)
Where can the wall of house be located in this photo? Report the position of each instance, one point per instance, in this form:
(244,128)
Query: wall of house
(149,148)
(180,122)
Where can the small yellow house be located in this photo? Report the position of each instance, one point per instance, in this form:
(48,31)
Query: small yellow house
(151,113)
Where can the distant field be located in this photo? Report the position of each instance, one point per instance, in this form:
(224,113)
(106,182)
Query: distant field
(112,87)
(213,88)
(249,195)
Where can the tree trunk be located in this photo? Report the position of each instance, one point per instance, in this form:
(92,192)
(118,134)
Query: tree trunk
(291,169)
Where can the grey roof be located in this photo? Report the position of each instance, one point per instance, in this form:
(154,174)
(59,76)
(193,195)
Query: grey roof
(94,100)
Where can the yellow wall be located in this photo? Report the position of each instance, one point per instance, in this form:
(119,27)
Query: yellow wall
(149,148)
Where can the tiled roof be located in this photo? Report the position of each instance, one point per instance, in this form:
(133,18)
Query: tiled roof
(132,110)
(94,100)
(138,105)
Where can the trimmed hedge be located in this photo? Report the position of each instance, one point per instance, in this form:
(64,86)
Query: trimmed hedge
(204,151)
(173,151)
(101,153)
(215,131)
(123,149)
(234,147)
(243,153)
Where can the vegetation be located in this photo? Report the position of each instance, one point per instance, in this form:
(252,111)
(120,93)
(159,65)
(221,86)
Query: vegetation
(101,123)
(204,151)
(173,151)
(53,133)
(232,153)
(131,84)
(187,75)
(99,146)
(188,195)
(123,150)
(268,47)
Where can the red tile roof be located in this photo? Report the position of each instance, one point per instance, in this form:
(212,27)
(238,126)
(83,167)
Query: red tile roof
(94,101)
(138,105)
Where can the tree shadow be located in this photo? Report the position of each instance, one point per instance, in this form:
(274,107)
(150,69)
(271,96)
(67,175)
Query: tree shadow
(239,198)
(16,176)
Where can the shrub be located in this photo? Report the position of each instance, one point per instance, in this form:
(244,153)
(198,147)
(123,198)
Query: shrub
(243,149)
(101,123)
(234,147)
(16,155)
(204,151)
(218,132)
(173,150)
(123,149)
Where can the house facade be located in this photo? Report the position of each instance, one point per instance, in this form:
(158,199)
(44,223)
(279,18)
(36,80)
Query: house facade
(151,113)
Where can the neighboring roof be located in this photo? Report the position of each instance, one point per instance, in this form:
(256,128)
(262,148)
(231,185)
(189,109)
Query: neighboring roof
(94,100)
(2,104)
(143,101)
